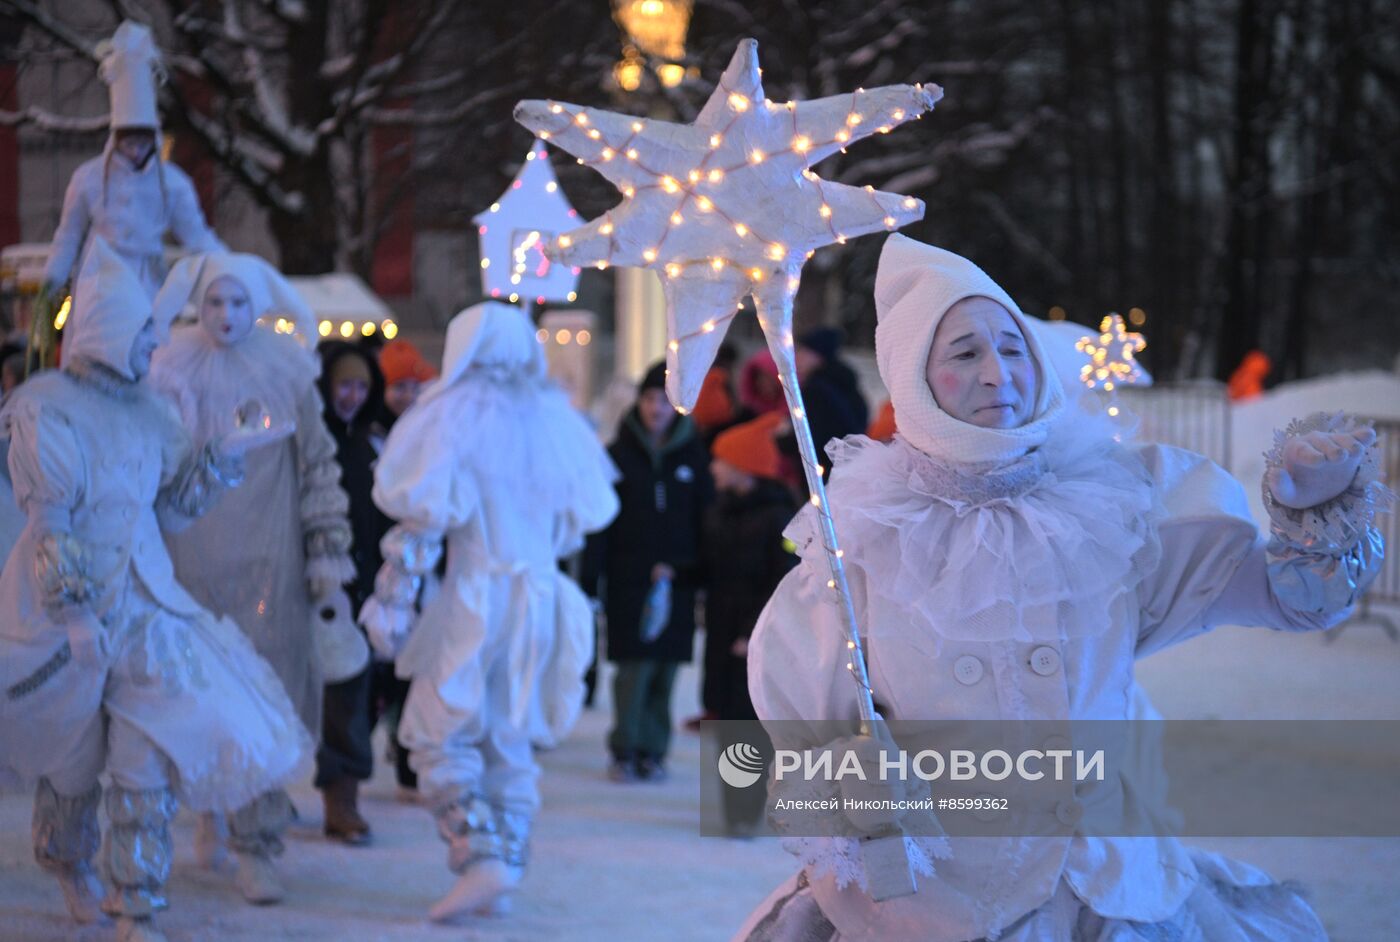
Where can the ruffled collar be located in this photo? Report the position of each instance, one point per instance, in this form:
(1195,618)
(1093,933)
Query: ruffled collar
(1048,546)
(972,483)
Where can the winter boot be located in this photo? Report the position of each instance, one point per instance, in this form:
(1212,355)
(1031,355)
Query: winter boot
(210,837)
(343,820)
(138,929)
(257,879)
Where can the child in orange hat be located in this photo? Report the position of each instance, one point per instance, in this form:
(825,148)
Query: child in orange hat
(744,560)
(405,371)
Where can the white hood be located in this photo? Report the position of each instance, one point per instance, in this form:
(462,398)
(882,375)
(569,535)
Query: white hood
(490,334)
(914,287)
(269,292)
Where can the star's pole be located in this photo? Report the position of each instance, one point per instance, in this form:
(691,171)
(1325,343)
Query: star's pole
(773,301)
(888,870)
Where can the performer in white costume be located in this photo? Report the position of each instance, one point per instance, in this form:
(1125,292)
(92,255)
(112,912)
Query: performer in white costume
(284,531)
(128,195)
(293,538)
(105,661)
(492,456)
(1010,560)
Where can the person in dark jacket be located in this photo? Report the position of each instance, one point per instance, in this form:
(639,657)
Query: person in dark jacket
(830,390)
(664,490)
(745,557)
(353,390)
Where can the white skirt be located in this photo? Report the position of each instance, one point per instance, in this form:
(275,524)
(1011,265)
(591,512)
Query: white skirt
(193,686)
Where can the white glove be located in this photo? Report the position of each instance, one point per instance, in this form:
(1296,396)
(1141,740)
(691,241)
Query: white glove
(387,627)
(1318,466)
(238,443)
(892,789)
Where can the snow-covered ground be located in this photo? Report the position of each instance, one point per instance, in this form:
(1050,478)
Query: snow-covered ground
(620,863)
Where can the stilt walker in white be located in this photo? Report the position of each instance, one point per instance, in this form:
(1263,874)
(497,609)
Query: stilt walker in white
(106,663)
(284,532)
(128,195)
(493,456)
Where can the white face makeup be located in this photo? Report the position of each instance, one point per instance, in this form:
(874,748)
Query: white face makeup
(980,368)
(226,313)
(142,347)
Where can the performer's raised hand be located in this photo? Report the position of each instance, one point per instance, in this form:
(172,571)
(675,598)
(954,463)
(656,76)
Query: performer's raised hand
(1318,466)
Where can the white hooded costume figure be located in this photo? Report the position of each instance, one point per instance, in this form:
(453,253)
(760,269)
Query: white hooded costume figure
(494,457)
(107,663)
(1016,573)
(284,531)
(131,207)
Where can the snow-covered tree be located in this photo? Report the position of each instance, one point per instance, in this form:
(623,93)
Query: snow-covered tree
(326,111)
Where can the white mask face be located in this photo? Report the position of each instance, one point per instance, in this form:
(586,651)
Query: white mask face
(226,312)
(980,368)
(141,349)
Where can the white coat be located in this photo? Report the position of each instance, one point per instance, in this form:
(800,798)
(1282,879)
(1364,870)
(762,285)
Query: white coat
(1153,545)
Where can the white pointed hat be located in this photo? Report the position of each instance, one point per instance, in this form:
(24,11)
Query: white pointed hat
(130,66)
(110,306)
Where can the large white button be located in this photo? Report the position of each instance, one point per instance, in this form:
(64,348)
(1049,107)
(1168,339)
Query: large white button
(1045,661)
(1068,813)
(967,669)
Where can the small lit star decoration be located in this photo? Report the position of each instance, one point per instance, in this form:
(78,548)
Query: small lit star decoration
(728,207)
(514,231)
(1112,360)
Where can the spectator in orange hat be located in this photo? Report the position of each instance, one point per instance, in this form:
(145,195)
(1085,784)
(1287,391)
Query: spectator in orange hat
(1248,379)
(744,560)
(405,373)
(714,408)
(883,428)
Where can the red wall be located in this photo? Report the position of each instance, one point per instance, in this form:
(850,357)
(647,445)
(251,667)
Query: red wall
(9,157)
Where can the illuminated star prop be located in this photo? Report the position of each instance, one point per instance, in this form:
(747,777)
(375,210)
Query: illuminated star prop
(1111,355)
(727,206)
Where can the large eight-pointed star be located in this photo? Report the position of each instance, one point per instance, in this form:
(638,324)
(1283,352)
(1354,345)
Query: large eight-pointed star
(727,206)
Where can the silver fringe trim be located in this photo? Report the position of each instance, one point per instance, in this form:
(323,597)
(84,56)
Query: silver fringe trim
(138,850)
(474,829)
(257,827)
(65,830)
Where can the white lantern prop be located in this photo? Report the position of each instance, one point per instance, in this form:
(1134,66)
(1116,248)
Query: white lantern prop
(513,234)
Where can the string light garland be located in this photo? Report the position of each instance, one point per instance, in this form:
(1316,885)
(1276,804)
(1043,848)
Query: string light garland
(726,208)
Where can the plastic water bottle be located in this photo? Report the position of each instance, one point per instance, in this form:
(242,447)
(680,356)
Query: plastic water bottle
(656,613)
